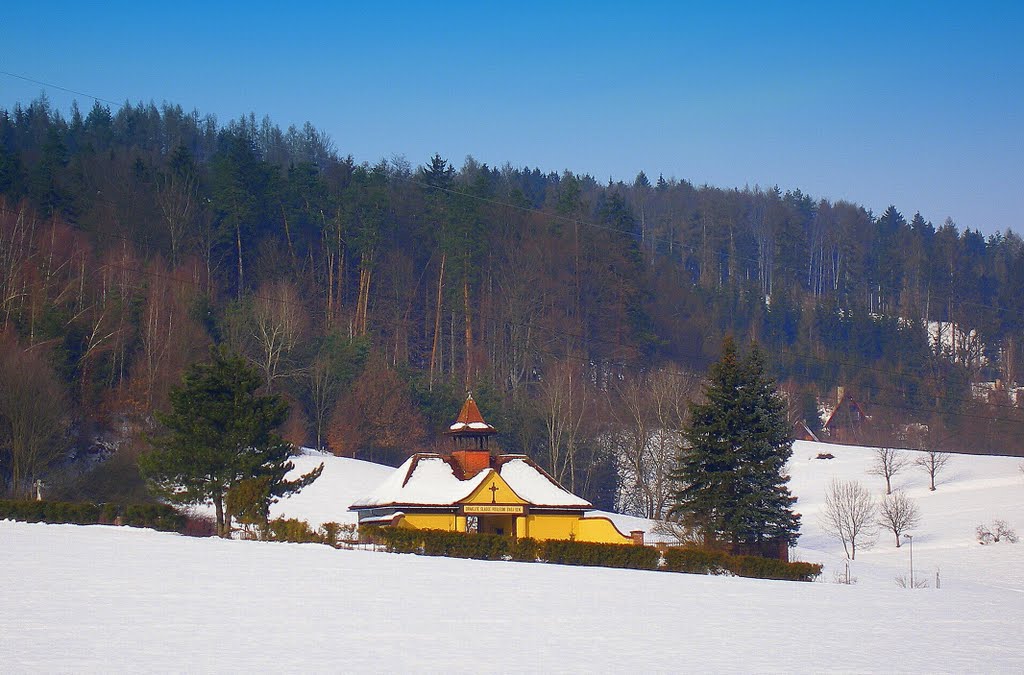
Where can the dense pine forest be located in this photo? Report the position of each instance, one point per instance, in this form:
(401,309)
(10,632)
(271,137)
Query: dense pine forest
(581,313)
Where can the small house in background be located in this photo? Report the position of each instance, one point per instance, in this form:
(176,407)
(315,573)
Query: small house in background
(848,421)
(473,490)
(802,432)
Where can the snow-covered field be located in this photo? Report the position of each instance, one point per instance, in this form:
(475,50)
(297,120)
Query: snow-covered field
(87,599)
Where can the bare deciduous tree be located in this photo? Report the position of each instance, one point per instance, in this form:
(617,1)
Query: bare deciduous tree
(565,401)
(850,515)
(278,323)
(33,417)
(898,514)
(933,462)
(323,385)
(887,463)
(648,421)
(177,195)
(169,338)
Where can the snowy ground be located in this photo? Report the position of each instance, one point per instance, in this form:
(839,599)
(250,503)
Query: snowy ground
(971,490)
(88,599)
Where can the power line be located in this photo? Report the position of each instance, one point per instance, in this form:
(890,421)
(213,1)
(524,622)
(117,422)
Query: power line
(57,86)
(536,211)
(550,216)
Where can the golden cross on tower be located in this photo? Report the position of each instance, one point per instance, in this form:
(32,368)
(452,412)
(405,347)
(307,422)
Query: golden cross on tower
(494,491)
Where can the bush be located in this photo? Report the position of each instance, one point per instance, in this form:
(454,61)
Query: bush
(157,516)
(1004,531)
(199,526)
(600,555)
(335,534)
(999,530)
(329,533)
(249,501)
(500,547)
(452,544)
(292,530)
(770,568)
(693,560)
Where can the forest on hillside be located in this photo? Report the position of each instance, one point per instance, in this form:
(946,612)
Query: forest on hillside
(581,314)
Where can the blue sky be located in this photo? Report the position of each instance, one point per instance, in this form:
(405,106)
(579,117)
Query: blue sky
(917,104)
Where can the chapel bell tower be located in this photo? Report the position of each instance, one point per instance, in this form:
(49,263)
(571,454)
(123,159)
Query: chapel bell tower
(470,435)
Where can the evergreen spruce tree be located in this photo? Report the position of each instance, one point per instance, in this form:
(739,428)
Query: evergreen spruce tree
(219,433)
(731,485)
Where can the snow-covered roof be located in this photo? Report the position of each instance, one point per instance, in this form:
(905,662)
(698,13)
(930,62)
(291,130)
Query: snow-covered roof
(423,480)
(430,480)
(529,482)
(477,426)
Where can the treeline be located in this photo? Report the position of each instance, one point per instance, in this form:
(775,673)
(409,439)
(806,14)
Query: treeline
(373,296)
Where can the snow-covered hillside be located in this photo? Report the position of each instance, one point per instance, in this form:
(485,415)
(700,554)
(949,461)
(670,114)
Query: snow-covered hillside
(971,490)
(87,599)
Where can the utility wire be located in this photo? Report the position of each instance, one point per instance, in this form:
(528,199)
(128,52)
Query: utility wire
(550,216)
(57,86)
(692,250)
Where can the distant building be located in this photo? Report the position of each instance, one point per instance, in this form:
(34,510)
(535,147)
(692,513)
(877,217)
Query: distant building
(802,432)
(472,490)
(848,421)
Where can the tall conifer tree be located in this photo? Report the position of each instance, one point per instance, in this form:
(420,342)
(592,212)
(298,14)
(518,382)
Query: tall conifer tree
(731,485)
(219,433)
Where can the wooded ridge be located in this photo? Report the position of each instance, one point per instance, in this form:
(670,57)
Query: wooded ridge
(581,314)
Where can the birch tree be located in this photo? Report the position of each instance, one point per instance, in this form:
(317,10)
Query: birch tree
(564,400)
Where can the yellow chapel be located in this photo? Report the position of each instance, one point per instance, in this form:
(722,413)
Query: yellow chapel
(473,490)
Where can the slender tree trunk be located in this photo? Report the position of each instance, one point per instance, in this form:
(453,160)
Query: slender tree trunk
(469,332)
(218,505)
(437,324)
(288,238)
(238,245)
(363,299)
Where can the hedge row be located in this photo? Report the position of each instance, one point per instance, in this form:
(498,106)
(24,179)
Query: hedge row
(156,516)
(454,544)
(628,556)
(695,560)
(498,547)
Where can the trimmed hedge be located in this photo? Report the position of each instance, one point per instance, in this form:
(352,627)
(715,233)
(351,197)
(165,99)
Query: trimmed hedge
(694,560)
(500,547)
(770,568)
(688,559)
(628,556)
(453,544)
(157,516)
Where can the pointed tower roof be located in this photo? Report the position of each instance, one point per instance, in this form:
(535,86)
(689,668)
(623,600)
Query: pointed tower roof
(470,421)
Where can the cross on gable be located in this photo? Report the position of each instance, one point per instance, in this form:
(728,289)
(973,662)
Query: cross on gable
(494,491)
